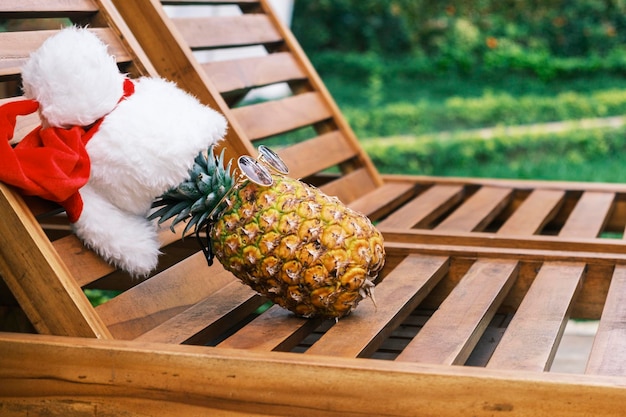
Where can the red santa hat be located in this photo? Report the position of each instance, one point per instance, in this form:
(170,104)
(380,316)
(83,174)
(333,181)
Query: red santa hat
(50,162)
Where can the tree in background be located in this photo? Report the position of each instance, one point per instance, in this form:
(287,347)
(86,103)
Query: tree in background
(464,33)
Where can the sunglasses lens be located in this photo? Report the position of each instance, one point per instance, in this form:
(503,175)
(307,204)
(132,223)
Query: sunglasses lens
(273,160)
(254,171)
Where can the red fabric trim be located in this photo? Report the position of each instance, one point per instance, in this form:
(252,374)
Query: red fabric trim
(51,162)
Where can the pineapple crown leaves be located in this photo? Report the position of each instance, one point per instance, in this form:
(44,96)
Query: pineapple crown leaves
(196,197)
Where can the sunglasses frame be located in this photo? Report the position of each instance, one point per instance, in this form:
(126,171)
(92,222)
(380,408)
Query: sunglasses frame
(258,171)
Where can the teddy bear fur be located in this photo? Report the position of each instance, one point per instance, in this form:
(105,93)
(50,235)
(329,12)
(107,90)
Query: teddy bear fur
(145,145)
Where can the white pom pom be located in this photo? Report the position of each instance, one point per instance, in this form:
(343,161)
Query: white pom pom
(73,78)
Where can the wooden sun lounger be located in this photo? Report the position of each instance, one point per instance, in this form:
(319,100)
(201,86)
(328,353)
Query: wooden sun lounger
(480,280)
(208,52)
(61,376)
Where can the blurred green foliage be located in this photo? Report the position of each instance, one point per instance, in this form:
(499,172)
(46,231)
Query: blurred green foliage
(548,38)
(488,110)
(582,155)
(97,296)
(413,68)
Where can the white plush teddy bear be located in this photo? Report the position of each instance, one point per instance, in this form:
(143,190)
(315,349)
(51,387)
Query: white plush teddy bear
(145,144)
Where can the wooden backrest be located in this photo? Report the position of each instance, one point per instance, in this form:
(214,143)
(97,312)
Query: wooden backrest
(44,265)
(48,270)
(229,53)
(234,50)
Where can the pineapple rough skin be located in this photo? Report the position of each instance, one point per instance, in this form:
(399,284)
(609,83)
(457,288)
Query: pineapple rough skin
(300,248)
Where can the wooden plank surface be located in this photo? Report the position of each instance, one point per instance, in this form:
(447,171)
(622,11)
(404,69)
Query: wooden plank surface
(161,297)
(477,211)
(207,318)
(589,216)
(383,199)
(120,378)
(521,184)
(274,117)
(247,73)
(361,333)
(531,339)
(424,208)
(454,329)
(534,212)
(351,186)
(17,46)
(13,8)
(226,31)
(543,314)
(275,329)
(37,276)
(608,354)
(84,265)
(314,155)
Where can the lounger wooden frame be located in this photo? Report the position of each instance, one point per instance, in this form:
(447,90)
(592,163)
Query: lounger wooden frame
(481,277)
(324,142)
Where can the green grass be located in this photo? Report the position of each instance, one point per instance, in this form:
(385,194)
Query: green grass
(403,106)
(545,167)
(438,88)
(382,107)
(577,155)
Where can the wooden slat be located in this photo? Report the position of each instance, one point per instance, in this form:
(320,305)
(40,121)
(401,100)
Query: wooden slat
(37,276)
(589,216)
(207,318)
(531,339)
(274,117)
(477,211)
(527,185)
(579,248)
(396,297)
(454,329)
(545,309)
(75,376)
(604,260)
(359,333)
(488,341)
(424,208)
(315,155)
(534,212)
(161,297)
(247,73)
(45,7)
(350,186)
(17,46)
(383,199)
(608,354)
(84,265)
(275,329)
(226,31)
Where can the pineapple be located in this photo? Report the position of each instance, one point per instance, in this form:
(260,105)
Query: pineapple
(287,240)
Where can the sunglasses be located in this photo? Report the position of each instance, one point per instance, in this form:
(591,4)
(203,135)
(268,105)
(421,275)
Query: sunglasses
(259,171)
